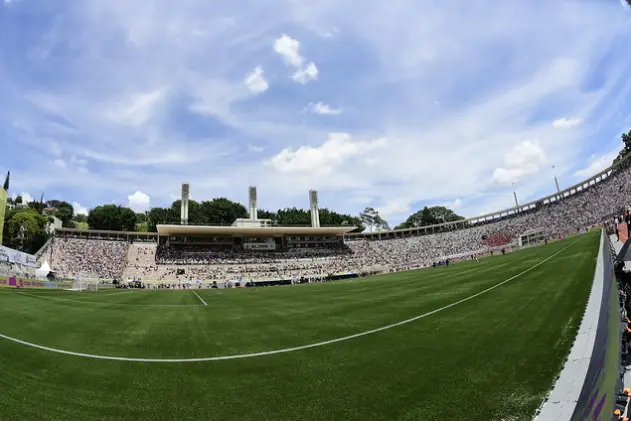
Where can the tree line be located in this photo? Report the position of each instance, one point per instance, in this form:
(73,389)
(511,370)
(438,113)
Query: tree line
(26,224)
(626,142)
(222,211)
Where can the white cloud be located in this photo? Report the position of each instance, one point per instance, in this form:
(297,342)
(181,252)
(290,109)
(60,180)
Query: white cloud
(306,75)
(625,4)
(525,159)
(26,197)
(136,109)
(59,163)
(74,164)
(138,202)
(78,209)
(144,100)
(255,148)
(324,159)
(456,204)
(596,165)
(287,48)
(566,123)
(394,208)
(333,32)
(323,109)
(255,81)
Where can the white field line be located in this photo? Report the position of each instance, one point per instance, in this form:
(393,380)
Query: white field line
(200,298)
(104,294)
(106,303)
(284,350)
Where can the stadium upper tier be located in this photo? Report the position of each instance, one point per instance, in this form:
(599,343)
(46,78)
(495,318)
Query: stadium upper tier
(234,257)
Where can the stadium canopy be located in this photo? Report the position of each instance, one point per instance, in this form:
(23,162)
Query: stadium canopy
(199,230)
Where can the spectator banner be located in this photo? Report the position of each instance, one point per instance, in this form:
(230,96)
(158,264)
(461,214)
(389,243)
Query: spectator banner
(14,256)
(3,208)
(259,246)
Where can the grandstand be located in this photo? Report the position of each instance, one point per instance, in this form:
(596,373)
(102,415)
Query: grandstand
(189,324)
(254,250)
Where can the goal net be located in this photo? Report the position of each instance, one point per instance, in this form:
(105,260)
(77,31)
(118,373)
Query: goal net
(84,286)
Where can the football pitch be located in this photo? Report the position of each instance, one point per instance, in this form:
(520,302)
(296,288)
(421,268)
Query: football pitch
(472,341)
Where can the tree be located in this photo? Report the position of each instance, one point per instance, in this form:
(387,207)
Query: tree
(141,217)
(65,212)
(37,206)
(25,230)
(626,141)
(380,223)
(195,215)
(160,216)
(430,216)
(369,217)
(80,218)
(112,218)
(18,200)
(222,211)
(293,217)
(264,214)
(127,219)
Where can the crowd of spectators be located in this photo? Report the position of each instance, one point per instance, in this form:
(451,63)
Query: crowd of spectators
(593,205)
(229,255)
(88,258)
(193,264)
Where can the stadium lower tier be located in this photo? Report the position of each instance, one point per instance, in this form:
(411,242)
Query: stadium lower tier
(110,259)
(92,258)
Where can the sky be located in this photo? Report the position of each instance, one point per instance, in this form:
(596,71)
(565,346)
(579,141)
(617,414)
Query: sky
(393,105)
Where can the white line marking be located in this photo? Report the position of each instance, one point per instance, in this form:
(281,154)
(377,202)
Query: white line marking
(104,294)
(285,350)
(106,303)
(200,298)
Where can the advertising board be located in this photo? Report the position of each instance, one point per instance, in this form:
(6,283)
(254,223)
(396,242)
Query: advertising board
(15,256)
(259,246)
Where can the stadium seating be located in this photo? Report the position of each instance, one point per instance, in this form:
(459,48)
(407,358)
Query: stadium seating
(107,258)
(89,258)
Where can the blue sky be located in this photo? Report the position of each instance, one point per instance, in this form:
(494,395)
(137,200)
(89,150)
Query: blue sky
(387,104)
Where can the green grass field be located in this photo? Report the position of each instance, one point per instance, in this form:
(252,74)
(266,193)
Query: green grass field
(492,357)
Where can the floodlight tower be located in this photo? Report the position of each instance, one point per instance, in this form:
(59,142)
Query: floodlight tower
(315,211)
(556,182)
(184,204)
(252,203)
(515,196)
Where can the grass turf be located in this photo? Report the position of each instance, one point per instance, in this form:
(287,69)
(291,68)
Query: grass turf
(490,358)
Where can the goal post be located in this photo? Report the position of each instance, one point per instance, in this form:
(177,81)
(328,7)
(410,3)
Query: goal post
(84,286)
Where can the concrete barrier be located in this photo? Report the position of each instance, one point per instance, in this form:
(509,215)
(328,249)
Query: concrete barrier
(587,386)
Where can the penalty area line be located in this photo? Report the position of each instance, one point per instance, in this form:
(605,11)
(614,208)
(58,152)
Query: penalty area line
(286,350)
(200,298)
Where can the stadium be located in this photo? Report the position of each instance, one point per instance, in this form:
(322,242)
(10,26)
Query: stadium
(286,210)
(517,305)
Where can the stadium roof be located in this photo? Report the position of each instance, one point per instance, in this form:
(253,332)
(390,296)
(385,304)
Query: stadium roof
(249,231)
